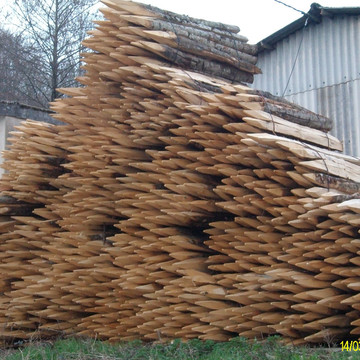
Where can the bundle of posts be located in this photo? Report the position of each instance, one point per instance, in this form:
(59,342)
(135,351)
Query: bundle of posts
(177,204)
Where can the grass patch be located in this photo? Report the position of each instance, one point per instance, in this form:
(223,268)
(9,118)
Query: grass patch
(237,348)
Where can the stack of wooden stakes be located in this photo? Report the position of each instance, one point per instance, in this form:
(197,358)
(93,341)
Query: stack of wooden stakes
(175,204)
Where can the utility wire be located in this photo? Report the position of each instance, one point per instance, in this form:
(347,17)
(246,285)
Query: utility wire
(291,7)
(301,41)
(296,57)
(293,67)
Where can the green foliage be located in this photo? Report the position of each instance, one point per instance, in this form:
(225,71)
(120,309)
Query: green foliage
(235,349)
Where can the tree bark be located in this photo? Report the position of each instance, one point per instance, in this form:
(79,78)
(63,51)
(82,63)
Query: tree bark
(149,10)
(197,63)
(207,48)
(300,116)
(333,182)
(227,39)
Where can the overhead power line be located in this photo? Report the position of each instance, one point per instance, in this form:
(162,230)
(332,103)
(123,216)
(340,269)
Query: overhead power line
(289,6)
(300,44)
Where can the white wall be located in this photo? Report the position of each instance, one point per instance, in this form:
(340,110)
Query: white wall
(7,124)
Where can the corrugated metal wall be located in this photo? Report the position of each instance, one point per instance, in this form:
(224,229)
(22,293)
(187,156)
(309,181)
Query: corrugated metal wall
(326,77)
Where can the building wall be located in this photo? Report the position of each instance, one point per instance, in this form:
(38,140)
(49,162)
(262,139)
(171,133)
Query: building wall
(12,114)
(7,124)
(326,76)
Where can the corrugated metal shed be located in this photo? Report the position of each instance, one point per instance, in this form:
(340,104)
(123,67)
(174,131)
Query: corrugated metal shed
(326,75)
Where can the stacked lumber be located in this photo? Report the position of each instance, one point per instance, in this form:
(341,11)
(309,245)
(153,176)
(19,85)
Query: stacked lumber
(176,203)
(206,46)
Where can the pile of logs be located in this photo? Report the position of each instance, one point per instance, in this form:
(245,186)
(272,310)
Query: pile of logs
(177,204)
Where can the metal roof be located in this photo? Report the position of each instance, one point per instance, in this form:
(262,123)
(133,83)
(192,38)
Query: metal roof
(314,15)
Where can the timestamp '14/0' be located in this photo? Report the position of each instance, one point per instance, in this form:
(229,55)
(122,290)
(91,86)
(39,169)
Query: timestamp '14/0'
(352,345)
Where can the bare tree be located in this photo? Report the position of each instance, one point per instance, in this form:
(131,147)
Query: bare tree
(54,29)
(20,78)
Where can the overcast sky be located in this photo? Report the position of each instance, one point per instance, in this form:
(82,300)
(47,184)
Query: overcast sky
(257,19)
